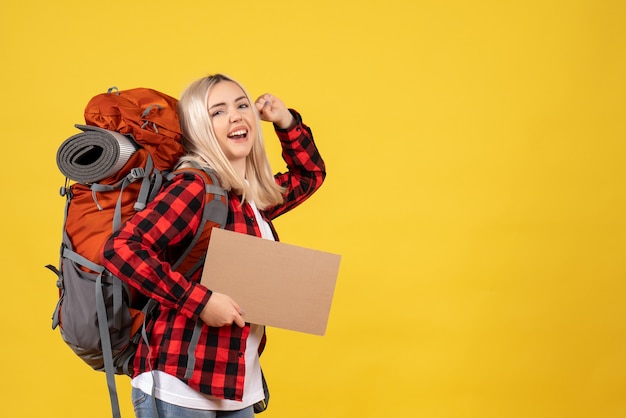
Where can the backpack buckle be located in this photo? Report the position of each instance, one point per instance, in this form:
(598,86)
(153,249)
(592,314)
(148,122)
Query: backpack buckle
(136,173)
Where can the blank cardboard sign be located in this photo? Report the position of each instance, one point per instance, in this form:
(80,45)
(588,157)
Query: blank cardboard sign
(276,284)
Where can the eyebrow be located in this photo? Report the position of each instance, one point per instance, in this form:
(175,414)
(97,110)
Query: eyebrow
(224,104)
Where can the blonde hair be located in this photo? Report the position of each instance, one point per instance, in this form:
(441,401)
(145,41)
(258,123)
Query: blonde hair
(203,147)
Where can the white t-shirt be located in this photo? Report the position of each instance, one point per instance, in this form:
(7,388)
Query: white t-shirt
(172,390)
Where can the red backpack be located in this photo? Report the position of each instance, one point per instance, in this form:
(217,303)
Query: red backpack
(118,163)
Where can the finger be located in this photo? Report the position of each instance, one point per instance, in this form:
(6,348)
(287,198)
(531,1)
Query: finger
(239,321)
(263,106)
(264,97)
(237,307)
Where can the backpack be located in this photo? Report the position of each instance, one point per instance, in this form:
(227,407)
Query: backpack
(118,163)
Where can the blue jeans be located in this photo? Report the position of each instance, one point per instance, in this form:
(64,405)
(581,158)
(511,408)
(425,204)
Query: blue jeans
(143,405)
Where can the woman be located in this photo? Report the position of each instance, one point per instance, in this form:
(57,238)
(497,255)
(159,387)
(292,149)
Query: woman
(222,130)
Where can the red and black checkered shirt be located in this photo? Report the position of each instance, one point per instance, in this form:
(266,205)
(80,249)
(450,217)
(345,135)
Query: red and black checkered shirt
(140,254)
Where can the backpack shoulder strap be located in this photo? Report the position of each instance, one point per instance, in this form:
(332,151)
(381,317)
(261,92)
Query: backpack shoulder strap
(215,210)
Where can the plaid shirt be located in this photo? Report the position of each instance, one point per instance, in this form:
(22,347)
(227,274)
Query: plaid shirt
(141,251)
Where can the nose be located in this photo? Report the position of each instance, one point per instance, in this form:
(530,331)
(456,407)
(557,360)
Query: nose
(235,115)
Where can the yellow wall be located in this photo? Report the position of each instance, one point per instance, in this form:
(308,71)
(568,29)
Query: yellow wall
(475,189)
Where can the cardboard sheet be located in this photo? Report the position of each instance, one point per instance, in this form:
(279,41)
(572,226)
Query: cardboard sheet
(276,284)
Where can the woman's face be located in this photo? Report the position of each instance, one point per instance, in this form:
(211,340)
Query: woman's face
(234,124)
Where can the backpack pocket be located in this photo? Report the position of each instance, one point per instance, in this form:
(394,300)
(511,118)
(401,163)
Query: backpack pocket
(82,293)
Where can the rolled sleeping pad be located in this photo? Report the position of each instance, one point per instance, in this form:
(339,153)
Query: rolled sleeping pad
(94,154)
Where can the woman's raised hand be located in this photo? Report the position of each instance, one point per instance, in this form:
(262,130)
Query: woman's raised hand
(272,109)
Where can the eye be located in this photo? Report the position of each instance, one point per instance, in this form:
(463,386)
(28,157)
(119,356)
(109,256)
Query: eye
(243,106)
(216,113)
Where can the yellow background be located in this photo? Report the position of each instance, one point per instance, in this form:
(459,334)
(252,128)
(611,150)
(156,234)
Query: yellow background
(475,190)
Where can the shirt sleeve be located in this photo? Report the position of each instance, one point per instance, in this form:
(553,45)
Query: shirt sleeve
(138,252)
(305,167)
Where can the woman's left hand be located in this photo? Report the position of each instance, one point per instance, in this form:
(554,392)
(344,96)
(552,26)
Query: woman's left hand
(272,109)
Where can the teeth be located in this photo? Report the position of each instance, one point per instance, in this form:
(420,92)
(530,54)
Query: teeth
(239,132)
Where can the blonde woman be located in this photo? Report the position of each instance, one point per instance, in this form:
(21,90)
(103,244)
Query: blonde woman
(221,126)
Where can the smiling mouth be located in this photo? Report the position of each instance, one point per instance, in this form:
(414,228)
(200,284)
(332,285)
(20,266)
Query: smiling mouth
(238,134)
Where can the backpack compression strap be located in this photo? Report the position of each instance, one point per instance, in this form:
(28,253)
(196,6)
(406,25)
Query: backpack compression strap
(144,192)
(107,350)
